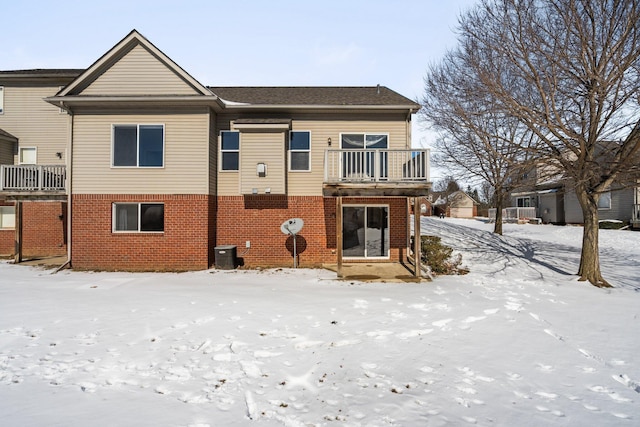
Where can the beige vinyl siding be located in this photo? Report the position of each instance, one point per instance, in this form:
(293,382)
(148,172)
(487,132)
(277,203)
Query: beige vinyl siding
(267,148)
(139,73)
(213,154)
(322,127)
(310,183)
(35,122)
(186,156)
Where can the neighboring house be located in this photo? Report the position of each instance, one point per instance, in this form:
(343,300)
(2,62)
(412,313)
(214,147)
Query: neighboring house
(157,170)
(555,201)
(455,205)
(461,205)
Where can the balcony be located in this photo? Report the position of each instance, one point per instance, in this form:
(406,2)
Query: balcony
(33,180)
(376,172)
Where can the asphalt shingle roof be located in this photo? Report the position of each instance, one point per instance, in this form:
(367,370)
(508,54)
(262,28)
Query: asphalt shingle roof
(274,95)
(312,95)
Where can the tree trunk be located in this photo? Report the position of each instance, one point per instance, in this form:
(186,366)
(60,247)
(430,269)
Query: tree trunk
(497,227)
(590,256)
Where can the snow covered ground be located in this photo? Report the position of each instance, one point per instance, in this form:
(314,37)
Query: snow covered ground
(517,342)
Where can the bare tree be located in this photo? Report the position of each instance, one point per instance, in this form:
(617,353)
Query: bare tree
(475,139)
(570,71)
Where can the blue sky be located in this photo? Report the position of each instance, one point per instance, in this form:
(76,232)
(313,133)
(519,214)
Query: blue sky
(246,43)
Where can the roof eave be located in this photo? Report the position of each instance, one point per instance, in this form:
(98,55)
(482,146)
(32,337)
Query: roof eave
(411,108)
(66,102)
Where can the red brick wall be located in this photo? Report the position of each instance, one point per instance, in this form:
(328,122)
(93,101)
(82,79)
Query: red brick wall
(184,244)
(258,219)
(44,231)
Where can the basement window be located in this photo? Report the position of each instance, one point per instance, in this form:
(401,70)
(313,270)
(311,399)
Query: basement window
(138,217)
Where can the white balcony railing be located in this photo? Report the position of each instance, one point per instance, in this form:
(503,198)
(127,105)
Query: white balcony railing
(361,166)
(33,177)
(635,218)
(514,214)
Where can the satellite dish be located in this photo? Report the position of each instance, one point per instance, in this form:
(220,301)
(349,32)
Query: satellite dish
(292,226)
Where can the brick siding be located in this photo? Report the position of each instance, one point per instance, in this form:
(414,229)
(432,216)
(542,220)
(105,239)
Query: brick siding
(44,230)
(184,244)
(258,218)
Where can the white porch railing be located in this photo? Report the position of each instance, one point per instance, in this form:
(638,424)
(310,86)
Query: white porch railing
(513,214)
(33,177)
(376,166)
(635,218)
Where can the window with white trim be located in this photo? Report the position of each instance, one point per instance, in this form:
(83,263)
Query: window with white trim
(1,99)
(300,151)
(604,202)
(138,217)
(524,202)
(358,160)
(28,155)
(229,150)
(138,146)
(7,217)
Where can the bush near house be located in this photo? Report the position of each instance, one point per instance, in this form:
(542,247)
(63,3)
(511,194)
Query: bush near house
(439,257)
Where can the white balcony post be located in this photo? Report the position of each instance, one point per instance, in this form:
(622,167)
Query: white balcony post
(40,170)
(2,177)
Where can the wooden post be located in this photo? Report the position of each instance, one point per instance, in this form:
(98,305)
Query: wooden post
(339,235)
(416,236)
(18,242)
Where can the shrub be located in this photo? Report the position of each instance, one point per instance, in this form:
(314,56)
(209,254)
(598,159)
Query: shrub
(438,256)
(608,224)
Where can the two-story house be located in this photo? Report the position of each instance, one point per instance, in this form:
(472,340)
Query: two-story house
(159,170)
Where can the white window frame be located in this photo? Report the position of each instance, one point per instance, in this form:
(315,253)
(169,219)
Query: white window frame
(1,99)
(229,151)
(10,211)
(35,150)
(139,225)
(607,197)
(388,256)
(300,151)
(137,125)
(530,203)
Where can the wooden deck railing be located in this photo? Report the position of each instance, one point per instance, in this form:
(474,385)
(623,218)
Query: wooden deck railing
(33,177)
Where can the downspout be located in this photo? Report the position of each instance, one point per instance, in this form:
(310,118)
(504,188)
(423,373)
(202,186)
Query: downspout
(69,175)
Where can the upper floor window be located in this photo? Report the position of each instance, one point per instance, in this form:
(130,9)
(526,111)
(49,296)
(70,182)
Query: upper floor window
(138,217)
(138,145)
(28,155)
(300,151)
(230,150)
(7,217)
(1,99)
(604,202)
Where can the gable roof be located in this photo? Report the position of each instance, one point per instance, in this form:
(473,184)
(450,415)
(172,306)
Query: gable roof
(330,96)
(124,46)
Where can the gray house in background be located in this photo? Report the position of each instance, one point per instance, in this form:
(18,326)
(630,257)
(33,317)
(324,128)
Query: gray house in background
(556,202)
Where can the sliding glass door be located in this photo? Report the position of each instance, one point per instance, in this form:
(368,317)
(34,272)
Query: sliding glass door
(365,231)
